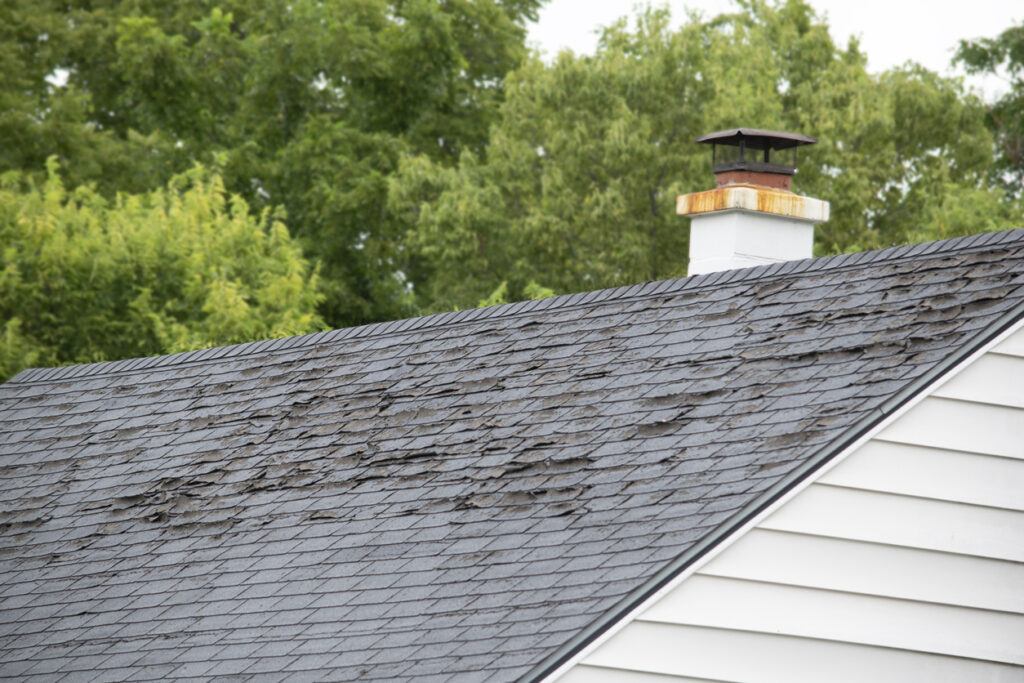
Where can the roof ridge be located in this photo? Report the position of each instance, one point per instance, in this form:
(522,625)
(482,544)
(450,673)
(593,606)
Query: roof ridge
(764,272)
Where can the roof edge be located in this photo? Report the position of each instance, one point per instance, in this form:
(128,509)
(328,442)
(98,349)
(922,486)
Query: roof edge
(737,521)
(764,272)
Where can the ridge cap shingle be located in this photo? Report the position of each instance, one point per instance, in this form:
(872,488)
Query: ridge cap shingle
(770,271)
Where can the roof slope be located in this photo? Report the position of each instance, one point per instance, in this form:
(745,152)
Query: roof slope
(447,498)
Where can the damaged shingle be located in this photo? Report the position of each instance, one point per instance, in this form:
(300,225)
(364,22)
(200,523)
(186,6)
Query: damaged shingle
(449,498)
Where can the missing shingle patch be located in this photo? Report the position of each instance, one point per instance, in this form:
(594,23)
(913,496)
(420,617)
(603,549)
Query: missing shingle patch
(686,398)
(24,524)
(550,496)
(659,428)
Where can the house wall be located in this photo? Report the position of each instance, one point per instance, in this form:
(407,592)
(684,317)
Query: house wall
(904,561)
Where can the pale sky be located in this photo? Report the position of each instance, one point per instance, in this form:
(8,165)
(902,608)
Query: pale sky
(891,31)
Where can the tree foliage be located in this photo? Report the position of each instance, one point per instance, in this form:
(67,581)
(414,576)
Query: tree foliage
(578,184)
(85,279)
(426,161)
(309,103)
(1003,56)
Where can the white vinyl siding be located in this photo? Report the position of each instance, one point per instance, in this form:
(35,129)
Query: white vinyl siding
(933,473)
(903,562)
(962,426)
(840,616)
(734,655)
(834,512)
(597,674)
(873,569)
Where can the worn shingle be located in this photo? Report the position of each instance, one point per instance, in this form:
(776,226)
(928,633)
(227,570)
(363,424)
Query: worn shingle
(451,498)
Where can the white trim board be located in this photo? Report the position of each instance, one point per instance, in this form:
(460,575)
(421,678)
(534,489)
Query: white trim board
(782,500)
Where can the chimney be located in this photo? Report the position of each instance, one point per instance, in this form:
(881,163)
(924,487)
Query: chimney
(751,217)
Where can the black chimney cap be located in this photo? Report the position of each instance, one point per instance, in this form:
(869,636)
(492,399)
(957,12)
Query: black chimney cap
(765,141)
(757,139)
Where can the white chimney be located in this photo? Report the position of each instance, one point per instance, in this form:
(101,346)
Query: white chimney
(752,217)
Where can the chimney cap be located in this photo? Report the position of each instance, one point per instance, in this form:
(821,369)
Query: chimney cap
(757,139)
(770,152)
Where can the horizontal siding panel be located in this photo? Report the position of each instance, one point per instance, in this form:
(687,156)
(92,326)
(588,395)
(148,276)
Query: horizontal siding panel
(899,520)
(873,569)
(848,617)
(599,674)
(933,473)
(742,656)
(1014,344)
(962,426)
(993,378)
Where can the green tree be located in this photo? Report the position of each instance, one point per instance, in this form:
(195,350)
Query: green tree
(310,103)
(578,185)
(1003,56)
(85,279)
(39,118)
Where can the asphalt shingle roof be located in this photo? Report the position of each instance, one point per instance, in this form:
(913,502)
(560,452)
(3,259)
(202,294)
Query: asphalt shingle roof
(449,498)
